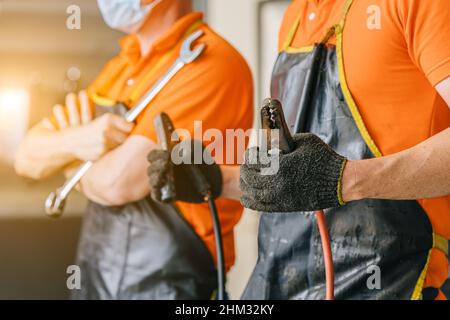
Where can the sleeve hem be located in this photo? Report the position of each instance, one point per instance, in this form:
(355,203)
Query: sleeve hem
(439,73)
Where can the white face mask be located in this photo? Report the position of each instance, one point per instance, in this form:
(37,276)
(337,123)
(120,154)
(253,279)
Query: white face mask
(125,15)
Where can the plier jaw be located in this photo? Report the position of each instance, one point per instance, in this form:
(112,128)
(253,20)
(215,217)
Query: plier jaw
(273,121)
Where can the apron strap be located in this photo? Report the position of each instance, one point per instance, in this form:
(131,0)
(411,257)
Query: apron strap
(334,30)
(291,34)
(102,101)
(339,27)
(440,243)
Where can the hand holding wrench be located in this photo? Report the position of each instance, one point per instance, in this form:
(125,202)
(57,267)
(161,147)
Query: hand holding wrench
(54,205)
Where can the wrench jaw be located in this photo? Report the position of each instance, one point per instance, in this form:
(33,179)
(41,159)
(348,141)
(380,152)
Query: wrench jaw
(54,205)
(195,53)
(189,55)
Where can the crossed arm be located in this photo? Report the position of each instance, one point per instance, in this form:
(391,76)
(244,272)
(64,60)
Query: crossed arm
(118,175)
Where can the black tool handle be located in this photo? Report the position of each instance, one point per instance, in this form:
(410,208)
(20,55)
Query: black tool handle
(272,118)
(164,130)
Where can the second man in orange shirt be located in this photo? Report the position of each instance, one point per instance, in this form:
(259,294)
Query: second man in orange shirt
(132,247)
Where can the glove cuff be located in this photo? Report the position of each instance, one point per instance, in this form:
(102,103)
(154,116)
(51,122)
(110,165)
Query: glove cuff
(330,187)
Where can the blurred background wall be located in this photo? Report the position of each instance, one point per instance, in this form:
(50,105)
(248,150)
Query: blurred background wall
(41,60)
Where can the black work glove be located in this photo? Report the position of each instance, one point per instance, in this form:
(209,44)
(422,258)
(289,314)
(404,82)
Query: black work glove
(186,190)
(308,179)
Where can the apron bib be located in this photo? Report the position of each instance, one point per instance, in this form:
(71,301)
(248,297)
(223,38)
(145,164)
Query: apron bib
(142,250)
(392,237)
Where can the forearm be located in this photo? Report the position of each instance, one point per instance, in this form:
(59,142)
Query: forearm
(417,173)
(119,177)
(231,189)
(44,152)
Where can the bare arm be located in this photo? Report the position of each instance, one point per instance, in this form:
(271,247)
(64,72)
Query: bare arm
(417,173)
(47,149)
(44,152)
(231,188)
(120,176)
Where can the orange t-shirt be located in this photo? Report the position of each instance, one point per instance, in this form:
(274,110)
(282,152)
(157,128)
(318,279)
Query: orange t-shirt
(216,89)
(394,52)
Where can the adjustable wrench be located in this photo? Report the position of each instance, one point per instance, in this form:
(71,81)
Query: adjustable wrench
(54,205)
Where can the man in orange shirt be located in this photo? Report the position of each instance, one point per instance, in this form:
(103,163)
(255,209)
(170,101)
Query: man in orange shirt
(365,86)
(132,247)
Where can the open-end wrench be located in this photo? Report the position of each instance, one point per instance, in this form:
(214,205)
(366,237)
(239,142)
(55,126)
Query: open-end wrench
(54,205)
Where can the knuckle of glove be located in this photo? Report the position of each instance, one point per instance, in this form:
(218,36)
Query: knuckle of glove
(252,158)
(266,196)
(157,154)
(251,178)
(158,167)
(249,203)
(157,179)
(156,194)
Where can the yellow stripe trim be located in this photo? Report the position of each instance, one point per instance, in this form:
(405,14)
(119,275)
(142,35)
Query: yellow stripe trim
(440,243)
(417,293)
(345,89)
(339,187)
(287,45)
(102,101)
(291,34)
(293,50)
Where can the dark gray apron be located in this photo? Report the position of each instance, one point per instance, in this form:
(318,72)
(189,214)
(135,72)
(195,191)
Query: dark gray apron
(142,250)
(395,236)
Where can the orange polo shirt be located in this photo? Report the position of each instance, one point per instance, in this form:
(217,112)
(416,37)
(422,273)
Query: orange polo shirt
(394,52)
(216,89)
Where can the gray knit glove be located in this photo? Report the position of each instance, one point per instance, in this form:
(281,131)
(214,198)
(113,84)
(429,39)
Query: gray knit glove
(308,179)
(186,190)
